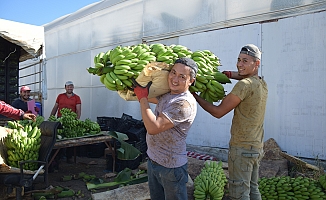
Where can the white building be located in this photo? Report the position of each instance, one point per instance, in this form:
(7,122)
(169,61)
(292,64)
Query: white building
(291,35)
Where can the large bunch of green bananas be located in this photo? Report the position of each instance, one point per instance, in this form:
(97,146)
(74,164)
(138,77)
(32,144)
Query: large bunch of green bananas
(210,182)
(287,188)
(23,143)
(209,80)
(116,67)
(322,181)
(73,127)
(91,127)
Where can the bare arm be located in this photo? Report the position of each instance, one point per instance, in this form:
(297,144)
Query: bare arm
(153,100)
(78,110)
(54,109)
(235,75)
(228,103)
(153,124)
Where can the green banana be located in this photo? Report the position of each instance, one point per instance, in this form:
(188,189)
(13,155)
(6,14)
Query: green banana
(110,79)
(144,55)
(131,56)
(120,71)
(122,67)
(143,62)
(220,77)
(117,58)
(122,77)
(124,61)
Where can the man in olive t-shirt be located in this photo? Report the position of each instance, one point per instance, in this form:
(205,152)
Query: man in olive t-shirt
(248,99)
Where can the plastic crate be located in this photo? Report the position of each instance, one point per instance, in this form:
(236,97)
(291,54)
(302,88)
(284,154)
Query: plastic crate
(136,133)
(108,123)
(96,150)
(125,116)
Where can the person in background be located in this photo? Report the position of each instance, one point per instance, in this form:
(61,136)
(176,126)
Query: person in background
(24,97)
(68,100)
(167,129)
(14,113)
(248,100)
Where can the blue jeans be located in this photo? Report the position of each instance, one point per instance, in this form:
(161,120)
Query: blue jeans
(243,173)
(167,183)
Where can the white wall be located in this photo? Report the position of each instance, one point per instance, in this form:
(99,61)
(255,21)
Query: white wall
(293,65)
(226,44)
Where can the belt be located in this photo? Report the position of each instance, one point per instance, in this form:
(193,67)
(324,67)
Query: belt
(153,162)
(247,147)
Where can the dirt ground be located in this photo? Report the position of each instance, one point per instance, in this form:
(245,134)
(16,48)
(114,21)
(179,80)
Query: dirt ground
(272,165)
(99,168)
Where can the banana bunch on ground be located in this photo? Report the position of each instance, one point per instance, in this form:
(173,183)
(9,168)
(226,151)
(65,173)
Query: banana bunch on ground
(23,143)
(209,80)
(290,188)
(210,182)
(73,127)
(322,181)
(116,67)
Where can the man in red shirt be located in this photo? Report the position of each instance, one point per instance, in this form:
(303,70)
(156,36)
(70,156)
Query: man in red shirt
(67,100)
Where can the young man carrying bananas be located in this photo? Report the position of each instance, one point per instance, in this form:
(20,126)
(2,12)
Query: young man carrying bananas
(248,100)
(167,129)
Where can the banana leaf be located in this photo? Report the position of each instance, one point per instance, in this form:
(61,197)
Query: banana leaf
(97,185)
(124,175)
(126,151)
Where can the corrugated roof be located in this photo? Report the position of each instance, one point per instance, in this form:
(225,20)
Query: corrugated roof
(29,37)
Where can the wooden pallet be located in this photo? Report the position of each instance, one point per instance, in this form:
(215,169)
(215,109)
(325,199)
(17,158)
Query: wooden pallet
(299,162)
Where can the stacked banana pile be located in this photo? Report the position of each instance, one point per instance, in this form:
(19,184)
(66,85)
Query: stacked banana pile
(118,66)
(210,182)
(290,188)
(23,143)
(73,127)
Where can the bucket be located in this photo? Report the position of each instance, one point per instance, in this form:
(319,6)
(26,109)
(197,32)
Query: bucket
(39,106)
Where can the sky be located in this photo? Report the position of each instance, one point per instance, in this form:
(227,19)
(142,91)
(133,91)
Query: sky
(39,12)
